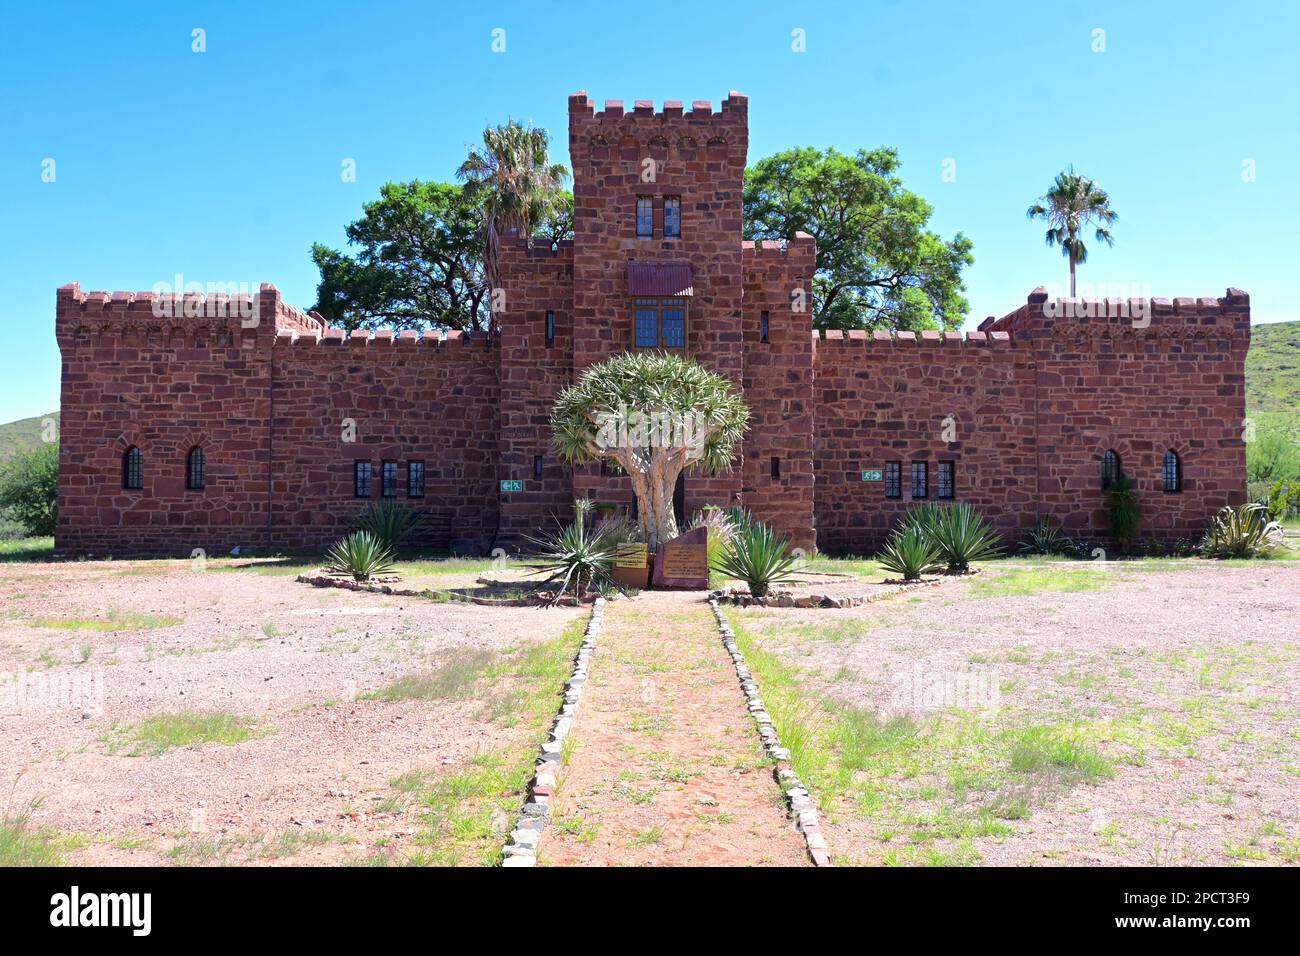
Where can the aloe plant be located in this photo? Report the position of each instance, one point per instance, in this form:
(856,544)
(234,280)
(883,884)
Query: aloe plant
(1242,532)
(958,531)
(361,555)
(758,556)
(911,553)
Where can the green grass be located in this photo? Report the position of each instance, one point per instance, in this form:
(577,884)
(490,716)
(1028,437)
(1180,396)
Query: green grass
(115,621)
(463,814)
(1006,580)
(26,549)
(162,732)
(1273,370)
(198,850)
(454,679)
(21,844)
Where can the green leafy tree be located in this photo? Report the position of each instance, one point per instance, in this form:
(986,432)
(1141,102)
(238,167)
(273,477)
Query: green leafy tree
(417,265)
(513,180)
(29,489)
(654,415)
(878,265)
(1071,206)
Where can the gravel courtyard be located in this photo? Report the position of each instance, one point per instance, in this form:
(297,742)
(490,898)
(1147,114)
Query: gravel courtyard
(324,730)
(1143,713)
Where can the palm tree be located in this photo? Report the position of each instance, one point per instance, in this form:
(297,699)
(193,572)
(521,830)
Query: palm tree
(1072,204)
(519,187)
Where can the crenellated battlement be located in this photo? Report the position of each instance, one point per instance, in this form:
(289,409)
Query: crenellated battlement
(379,342)
(616,134)
(735,106)
(1111,316)
(925,339)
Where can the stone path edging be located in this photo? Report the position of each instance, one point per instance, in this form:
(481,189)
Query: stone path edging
(521,845)
(800,804)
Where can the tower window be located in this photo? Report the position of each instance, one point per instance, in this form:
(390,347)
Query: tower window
(672,217)
(1110,470)
(415,479)
(776,467)
(920,479)
(893,479)
(133,469)
(763,318)
(550,328)
(195,470)
(1173,473)
(946,476)
(660,323)
(388,480)
(361,479)
(645,217)
(537,466)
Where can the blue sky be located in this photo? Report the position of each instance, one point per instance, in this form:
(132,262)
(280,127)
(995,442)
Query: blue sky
(225,165)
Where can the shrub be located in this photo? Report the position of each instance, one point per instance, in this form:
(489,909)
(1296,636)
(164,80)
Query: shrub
(757,556)
(911,553)
(1125,510)
(722,531)
(361,555)
(29,489)
(1242,532)
(1273,455)
(578,557)
(1282,499)
(389,523)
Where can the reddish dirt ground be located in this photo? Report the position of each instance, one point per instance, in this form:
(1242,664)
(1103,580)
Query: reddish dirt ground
(666,768)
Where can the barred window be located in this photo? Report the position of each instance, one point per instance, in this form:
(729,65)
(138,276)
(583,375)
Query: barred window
(133,469)
(361,479)
(893,479)
(920,479)
(645,217)
(672,217)
(1173,473)
(946,469)
(660,323)
(388,482)
(415,479)
(195,470)
(1110,469)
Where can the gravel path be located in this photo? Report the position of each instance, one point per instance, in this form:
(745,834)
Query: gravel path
(667,768)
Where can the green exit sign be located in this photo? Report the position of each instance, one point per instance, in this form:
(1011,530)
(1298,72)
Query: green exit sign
(873,474)
(511,484)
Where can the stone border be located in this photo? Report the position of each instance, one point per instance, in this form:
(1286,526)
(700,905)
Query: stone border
(521,845)
(539,599)
(801,807)
(738,598)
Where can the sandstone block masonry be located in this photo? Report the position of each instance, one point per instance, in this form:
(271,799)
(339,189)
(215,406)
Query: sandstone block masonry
(295,420)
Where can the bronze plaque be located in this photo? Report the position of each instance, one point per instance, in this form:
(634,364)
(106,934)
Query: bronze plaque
(631,555)
(684,561)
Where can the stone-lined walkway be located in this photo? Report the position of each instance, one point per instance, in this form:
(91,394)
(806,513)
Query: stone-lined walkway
(665,767)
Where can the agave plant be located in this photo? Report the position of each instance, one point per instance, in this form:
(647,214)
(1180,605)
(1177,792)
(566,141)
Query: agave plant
(963,536)
(361,555)
(757,556)
(1047,539)
(1242,532)
(577,557)
(911,553)
(389,523)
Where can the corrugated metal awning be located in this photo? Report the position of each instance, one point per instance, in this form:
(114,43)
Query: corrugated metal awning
(660,278)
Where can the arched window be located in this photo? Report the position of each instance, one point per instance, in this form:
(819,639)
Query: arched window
(195,470)
(1110,469)
(1173,473)
(133,469)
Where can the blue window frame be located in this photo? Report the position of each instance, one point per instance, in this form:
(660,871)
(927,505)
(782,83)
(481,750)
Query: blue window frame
(645,217)
(361,479)
(672,217)
(647,323)
(672,321)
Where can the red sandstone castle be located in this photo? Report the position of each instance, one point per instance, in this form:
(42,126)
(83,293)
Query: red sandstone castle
(196,426)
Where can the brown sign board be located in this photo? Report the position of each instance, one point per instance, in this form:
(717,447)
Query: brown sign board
(684,561)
